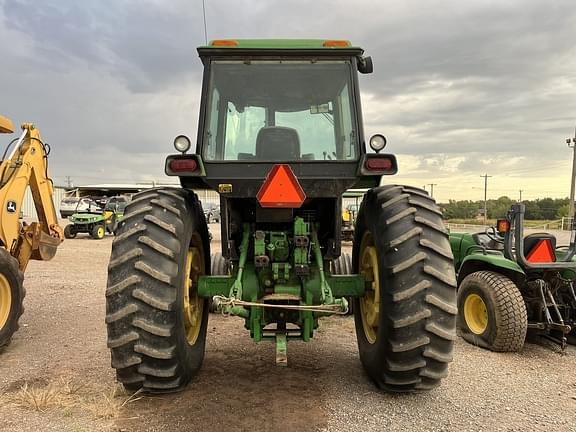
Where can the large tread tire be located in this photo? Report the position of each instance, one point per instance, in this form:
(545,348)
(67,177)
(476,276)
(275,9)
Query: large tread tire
(219,265)
(343,266)
(10,308)
(507,322)
(69,231)
(145,294)
(413,341)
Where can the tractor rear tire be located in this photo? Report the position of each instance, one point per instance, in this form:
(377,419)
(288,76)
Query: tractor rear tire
(406,320)
(69,231)
(98,232)
(12,294)
(492,312)
(343,266)
(156,321)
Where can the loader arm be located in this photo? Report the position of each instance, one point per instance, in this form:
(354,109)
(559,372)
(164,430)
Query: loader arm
(26,165)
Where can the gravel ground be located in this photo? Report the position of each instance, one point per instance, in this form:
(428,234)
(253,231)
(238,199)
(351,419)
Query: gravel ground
(56,375)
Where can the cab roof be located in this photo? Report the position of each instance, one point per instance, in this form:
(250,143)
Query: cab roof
(280,46)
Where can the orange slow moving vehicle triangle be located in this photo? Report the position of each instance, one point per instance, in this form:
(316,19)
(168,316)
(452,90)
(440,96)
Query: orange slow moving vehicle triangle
(542,253)
(281,189)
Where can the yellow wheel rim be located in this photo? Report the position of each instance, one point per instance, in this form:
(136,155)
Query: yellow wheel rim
(475,314)
(5,300)
(370,302)
(101,232)
(193,305)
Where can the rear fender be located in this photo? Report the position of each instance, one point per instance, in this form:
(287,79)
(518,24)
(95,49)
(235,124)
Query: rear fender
(491,262)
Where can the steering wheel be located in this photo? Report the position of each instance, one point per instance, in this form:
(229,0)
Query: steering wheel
(494,235)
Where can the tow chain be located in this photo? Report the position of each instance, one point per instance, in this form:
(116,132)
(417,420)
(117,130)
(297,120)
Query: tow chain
(221,302)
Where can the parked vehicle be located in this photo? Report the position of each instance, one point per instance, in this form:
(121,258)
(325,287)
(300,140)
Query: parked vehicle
(211,212)
(510,284)
(71,205)
(97,222)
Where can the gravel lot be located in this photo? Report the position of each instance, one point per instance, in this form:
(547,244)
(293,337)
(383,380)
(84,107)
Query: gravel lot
(56,375)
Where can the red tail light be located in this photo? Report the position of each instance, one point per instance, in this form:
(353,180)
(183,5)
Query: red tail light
(183,165)
(379,164)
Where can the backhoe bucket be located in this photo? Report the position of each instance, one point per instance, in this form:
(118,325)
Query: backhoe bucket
(47,247)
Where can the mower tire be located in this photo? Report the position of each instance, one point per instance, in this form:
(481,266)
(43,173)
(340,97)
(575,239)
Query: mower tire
(492,312)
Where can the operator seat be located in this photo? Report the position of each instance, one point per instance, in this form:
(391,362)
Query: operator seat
(277,143)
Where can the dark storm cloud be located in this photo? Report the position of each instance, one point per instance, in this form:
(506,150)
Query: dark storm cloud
(452,79)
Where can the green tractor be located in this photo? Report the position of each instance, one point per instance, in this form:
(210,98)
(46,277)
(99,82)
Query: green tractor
(510,285)
(97,221)
(280,139)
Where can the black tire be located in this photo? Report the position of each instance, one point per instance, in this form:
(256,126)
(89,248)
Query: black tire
(98,232)
(400,229)
(11,296)
(145,301)
(69,231)
(219,265)
(343,266)
(506,320)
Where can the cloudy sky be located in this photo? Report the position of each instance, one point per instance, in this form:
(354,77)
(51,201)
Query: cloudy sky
(460,88)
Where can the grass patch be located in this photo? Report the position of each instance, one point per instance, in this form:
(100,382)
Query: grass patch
(70,396)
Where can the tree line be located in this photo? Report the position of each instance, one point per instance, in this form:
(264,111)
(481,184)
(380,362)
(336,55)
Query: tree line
(539,209)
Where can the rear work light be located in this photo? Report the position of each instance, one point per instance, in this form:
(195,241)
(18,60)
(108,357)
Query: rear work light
(183,165)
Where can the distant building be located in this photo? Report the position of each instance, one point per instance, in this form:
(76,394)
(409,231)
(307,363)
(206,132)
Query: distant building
(106,190)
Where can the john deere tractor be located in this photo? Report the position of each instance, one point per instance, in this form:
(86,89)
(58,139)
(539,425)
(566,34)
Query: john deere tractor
(511,284)
(280,138)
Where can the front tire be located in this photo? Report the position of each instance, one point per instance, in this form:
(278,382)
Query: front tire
(406,320)
(11,296)
(492,312)
(156,321)
(98,232)
(69,231)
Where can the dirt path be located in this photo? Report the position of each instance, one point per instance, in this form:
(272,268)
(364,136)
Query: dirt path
(56,375)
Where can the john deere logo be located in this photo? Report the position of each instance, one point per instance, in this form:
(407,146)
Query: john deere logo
(11,207)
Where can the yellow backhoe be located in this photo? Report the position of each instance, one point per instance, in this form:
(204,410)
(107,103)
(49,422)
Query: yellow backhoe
(24,164)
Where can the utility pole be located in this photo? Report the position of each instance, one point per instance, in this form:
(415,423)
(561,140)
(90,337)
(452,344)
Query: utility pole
(572,144)
(520,201)
(486,176)
(432,188)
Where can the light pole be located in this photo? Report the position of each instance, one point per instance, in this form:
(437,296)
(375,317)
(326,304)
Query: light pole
(572,144)
(485,195)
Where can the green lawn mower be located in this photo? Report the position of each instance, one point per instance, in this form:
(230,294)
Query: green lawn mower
(510,285)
